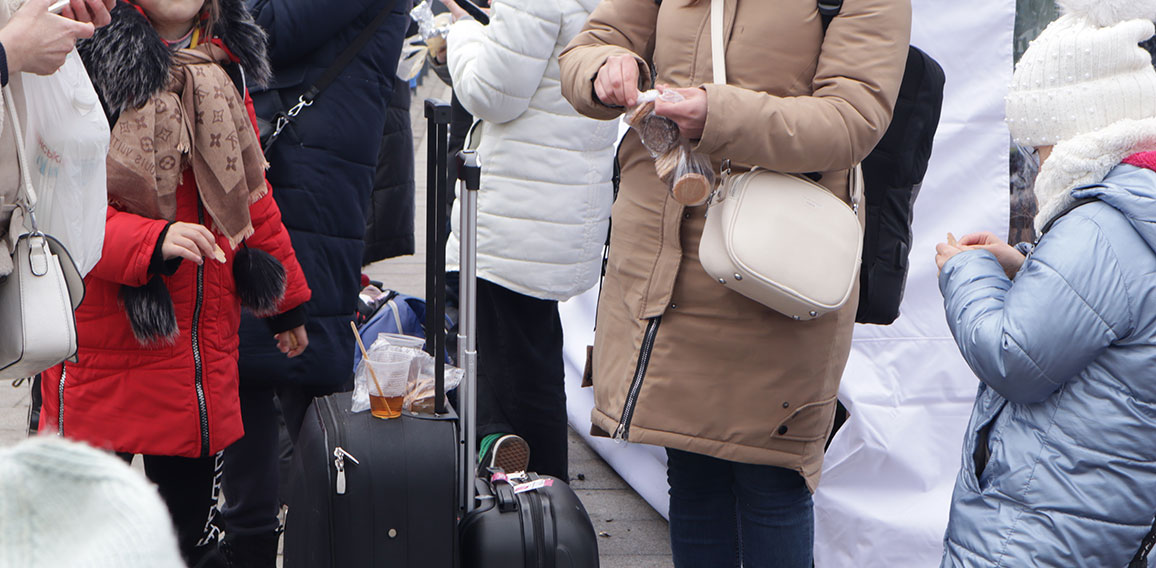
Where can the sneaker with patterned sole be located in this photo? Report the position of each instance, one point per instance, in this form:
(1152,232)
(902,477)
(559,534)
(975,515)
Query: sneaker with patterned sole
(508,452)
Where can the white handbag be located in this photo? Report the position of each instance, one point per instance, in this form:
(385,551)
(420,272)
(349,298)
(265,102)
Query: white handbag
(37,300)
(781,240)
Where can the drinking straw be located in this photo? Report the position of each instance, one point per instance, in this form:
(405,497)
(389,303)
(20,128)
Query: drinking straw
(365,356)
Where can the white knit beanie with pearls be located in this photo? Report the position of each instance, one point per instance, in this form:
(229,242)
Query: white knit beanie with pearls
(65,504)
(1085,72)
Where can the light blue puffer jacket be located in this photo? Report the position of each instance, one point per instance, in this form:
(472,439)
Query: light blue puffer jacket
(1067,360)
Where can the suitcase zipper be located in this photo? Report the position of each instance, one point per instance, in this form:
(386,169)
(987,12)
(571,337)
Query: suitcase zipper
(325,429)
(639,373)
(339,455)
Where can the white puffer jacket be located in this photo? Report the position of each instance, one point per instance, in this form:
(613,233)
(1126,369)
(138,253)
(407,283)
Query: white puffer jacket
(545,198)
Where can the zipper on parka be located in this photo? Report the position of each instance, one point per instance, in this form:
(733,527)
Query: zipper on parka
(60,397)
(198,367)
(639,373)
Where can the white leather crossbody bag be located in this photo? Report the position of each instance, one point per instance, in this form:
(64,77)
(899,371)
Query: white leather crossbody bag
(781,240)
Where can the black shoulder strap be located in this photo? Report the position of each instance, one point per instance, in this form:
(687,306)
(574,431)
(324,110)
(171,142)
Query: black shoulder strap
(828,9)
(1071,207)
(347,56)
(285,118)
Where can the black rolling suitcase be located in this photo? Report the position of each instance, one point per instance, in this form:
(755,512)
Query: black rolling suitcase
(513,519)
(514,525)
(374,493)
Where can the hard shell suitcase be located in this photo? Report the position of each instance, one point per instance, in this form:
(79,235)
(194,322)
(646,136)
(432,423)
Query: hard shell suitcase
(527,521)
(514,519)
(369,492)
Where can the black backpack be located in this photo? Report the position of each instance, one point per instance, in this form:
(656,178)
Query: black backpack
(892,175)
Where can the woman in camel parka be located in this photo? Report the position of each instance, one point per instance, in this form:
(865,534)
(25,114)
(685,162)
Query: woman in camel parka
(742,397)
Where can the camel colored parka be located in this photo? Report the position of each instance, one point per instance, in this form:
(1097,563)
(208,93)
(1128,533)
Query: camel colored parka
(679,361)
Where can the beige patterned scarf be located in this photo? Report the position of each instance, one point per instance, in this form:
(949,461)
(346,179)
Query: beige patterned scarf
(200,121)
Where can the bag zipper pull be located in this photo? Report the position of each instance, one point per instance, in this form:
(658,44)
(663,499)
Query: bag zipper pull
(339,455)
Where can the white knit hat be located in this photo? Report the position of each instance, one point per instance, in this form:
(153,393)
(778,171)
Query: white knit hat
(1085,72)
(66,504)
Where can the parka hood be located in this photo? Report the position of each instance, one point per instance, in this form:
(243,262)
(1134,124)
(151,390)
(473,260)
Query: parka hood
(1132,191)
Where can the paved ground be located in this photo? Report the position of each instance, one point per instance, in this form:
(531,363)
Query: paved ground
(631,533)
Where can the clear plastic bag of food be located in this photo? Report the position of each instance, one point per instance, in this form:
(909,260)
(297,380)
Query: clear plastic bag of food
(688,174)
(693,177)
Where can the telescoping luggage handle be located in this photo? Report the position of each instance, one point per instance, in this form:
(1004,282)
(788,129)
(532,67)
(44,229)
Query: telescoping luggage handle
(437,115)
(469,172)
(437,188)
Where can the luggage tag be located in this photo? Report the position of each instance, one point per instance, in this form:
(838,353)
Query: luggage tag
(533,485)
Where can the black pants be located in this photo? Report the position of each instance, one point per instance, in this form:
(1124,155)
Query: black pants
(521,376)
(190,488)
(252,465)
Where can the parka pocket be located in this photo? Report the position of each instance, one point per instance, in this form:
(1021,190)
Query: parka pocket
(808,423)
(977,446)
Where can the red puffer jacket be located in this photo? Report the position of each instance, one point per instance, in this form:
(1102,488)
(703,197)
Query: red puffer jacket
(174,400)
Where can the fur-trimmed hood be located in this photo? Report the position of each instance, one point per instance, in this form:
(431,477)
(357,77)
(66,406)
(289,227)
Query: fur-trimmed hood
(129,63)
(1086,159)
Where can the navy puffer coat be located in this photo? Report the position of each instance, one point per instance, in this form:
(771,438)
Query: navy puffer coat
(322,170)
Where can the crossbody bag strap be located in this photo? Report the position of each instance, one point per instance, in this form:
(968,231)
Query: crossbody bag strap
(330,75)
(717,51)
(719,69)
(26,196)
(828,9)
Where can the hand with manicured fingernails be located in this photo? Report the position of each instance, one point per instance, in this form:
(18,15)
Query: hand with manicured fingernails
(616,84)
(38,41)
(191,242)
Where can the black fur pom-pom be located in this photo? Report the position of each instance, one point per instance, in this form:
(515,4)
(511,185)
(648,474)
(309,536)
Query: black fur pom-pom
(150,312)
(260,280)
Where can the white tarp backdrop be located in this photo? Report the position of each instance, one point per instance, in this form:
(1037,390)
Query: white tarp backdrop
(888,476)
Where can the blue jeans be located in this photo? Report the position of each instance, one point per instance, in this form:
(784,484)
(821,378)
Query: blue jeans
(727,514)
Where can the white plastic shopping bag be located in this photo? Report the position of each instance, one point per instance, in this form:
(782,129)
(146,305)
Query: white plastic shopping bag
(67,138)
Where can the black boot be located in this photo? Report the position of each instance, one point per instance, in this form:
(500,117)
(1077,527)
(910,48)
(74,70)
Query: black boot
(251,550)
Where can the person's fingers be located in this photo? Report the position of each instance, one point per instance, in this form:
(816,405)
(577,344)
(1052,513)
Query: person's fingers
(979,238)
(76,10)
(205,241)
(78,30)
(629,78)
(203,244)
(99,13)
(613,83)
(185,249)
(599,90)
